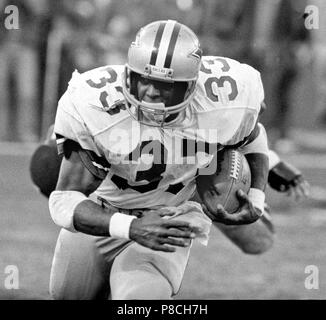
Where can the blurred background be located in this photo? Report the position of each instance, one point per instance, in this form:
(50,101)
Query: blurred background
(56,37)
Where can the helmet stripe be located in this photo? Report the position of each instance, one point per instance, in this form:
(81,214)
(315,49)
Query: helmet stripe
(157,43)
(172,44)
(165,42)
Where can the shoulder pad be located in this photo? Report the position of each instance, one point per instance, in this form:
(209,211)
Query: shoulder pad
(98,88)
(228,82)
(229,96)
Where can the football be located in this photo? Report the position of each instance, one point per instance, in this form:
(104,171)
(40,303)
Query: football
(232,173)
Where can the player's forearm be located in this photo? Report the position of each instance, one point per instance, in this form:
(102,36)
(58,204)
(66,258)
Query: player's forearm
(257,154)
(258,164)
(259,167)
(91,218)
(73,211)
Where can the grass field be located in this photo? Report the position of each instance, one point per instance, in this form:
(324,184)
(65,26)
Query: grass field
(218,271)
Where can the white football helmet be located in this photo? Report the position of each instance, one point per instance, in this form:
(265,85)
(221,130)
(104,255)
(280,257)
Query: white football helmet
(165,51)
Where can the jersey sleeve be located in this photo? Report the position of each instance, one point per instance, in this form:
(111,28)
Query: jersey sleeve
(255,87)
(70,126)
(252,97)
(228,99)
(73,135)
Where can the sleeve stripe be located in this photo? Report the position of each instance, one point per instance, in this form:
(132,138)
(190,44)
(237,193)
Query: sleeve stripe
(100,166)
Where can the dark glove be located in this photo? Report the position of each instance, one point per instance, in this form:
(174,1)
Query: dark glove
(283,176)
(286,178)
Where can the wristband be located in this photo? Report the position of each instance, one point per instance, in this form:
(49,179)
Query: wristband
(257,197)
(120,225)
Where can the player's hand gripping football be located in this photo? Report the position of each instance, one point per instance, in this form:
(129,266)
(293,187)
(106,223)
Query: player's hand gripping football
(246,214)
(153,231)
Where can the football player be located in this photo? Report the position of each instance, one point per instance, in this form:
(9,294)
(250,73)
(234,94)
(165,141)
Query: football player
(255,238)
(133,140)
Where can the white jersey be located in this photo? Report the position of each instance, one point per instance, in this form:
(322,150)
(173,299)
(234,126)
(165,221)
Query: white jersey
(148,166)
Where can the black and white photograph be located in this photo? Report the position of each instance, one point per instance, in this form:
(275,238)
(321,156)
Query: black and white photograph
(164,150)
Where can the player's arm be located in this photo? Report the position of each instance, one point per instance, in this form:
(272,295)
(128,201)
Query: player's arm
(256,153)
(284,177)
(70,208)
(252,204)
